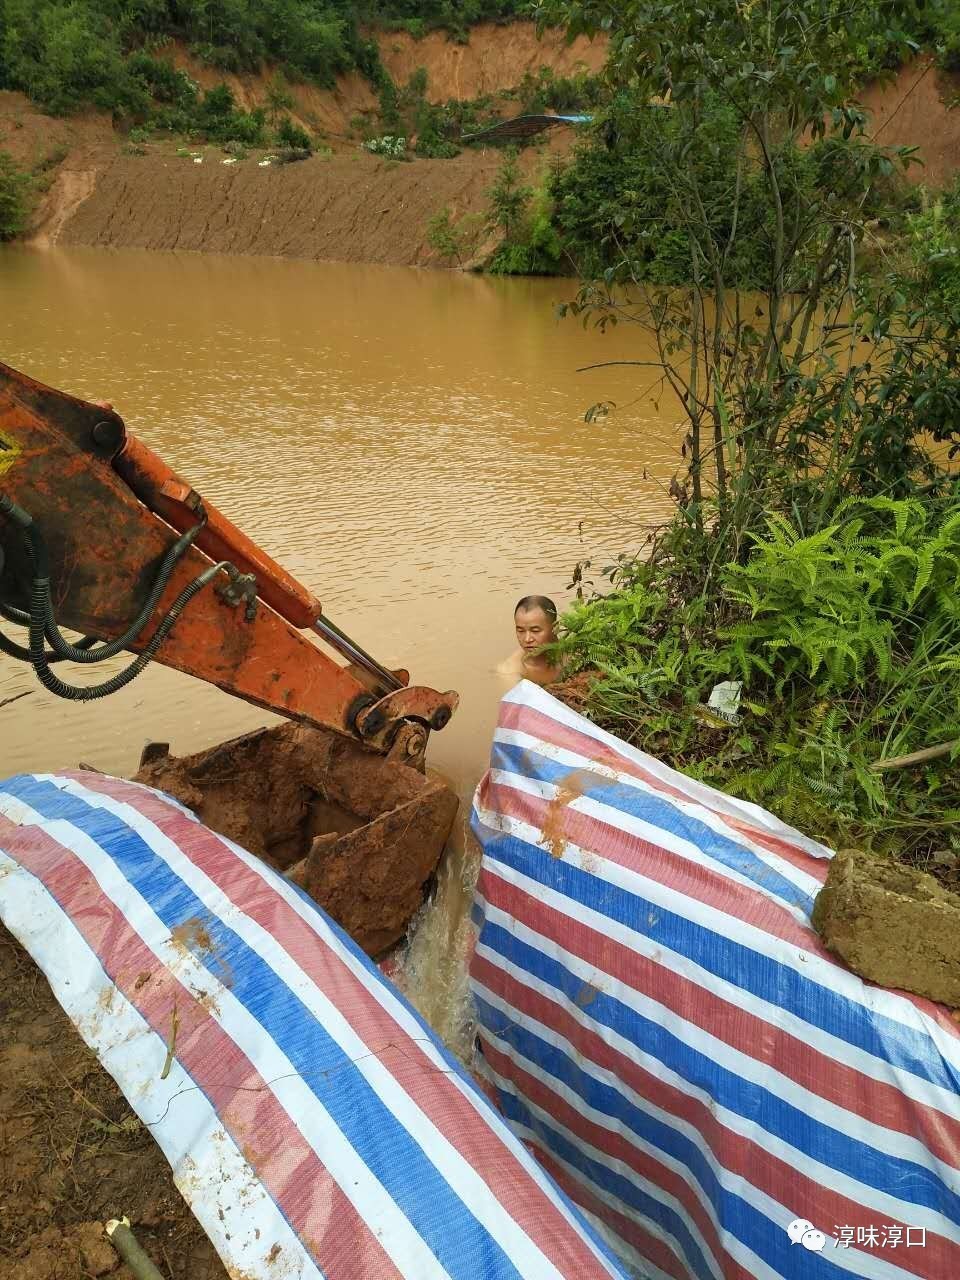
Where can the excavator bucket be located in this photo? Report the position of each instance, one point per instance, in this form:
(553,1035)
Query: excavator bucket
(359,832)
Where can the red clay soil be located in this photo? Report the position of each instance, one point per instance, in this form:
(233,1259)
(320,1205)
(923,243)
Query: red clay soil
(496,57)
(73,1154)
(362,834)
(351,206)
(915,109)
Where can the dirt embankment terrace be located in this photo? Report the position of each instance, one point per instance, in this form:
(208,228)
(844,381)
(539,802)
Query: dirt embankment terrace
(348,205)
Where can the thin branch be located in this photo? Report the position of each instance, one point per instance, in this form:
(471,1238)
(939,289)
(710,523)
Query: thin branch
(604,364)
(16,697)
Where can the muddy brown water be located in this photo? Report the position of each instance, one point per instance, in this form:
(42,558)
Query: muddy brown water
(411,444)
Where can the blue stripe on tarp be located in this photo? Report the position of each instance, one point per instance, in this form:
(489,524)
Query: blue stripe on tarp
(889,1041)
(661,812)
(735,1213)
(436,1212)
(772,1244)
(629,1190)
(893,1175)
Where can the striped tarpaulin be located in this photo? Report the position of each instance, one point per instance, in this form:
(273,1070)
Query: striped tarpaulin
(666,1032)
(314,1124)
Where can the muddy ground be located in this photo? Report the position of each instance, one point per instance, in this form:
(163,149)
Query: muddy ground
(73,1154)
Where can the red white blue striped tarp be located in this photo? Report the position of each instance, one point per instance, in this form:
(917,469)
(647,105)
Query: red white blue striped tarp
(665,1030)
(314,1124)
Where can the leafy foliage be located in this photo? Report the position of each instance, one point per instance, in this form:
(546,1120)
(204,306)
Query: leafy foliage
(290,134)
(453,240)
(530,244)
(846,643)
(387,145)
(814,553)
(71,53)
(934,243)
(14,198)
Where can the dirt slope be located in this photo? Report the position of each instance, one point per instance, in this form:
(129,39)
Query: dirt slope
(497,57)
(352,206)
(73,1154)
(913,110)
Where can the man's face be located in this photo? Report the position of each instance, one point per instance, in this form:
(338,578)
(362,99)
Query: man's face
(534,628)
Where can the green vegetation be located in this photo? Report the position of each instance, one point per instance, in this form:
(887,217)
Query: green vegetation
(417,17)
(530,244)
(805,318)
(546,91)
(455,241)
(67,54)
(934,246)
(395,148)
(14,198)
(290,135)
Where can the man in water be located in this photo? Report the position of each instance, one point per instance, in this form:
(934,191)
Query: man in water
(535,619)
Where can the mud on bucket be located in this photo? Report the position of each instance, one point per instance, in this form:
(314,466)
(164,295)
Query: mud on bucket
(363,835)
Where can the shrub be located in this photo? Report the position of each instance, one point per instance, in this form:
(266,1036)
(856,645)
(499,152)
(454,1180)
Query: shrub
(14,198)
(217,117)
(290,134)
(846,642)
(453,239)
(166,84)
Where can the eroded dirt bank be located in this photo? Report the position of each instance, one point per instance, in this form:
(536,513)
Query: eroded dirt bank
(351,206)
(348,206)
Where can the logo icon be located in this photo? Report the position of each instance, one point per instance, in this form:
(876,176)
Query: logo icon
(805,1233)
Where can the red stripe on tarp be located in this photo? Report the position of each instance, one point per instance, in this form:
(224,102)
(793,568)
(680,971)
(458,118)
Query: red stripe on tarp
(644,1242)
(880,1102)
(539,725)
(615,1146)
(702,881)
(290,1170)
(431,1088)
(742,1157)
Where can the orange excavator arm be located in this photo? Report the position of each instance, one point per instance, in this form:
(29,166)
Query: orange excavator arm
(99,536)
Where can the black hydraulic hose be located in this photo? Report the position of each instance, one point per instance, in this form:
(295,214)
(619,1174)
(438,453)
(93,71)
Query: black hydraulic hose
(77,693)
(84,651)
(22,619)
(14,650)
(43,625)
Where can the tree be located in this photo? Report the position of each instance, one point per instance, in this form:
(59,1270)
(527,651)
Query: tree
(453,239)
(14,198)
(508,196)
(279,99)
(786,398)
